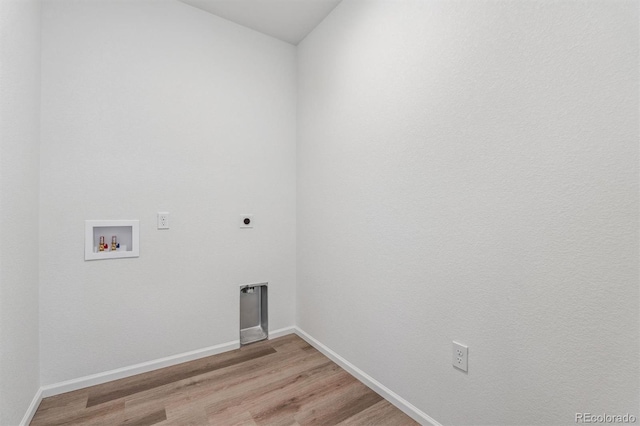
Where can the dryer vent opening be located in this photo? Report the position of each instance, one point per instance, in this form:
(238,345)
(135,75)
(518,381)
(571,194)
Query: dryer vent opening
(254,315)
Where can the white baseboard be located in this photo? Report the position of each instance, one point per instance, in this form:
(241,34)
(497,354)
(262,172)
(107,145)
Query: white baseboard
(33,407)
(120,373)
(281,332)
(132,370)
(409,409)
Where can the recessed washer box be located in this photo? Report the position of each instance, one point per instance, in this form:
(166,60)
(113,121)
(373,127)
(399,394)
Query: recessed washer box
(126,233)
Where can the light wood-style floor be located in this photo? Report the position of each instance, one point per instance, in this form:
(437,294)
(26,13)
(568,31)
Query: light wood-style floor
(283,381)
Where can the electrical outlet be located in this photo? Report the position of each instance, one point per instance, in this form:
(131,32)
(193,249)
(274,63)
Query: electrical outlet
(460,356)
(246,221)
(163,220)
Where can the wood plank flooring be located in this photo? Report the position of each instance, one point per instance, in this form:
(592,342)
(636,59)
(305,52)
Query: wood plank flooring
(283,381)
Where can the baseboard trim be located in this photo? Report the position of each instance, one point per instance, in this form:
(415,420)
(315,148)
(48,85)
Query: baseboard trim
(281,332)
(120,373)
(404,405)
(33,407)
(132,370)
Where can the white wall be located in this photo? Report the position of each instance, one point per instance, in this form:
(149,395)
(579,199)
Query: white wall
(158,106)
(469,171)
(19,140)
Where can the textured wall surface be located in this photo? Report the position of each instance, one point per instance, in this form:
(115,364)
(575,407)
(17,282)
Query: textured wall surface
(19,139)
(158,106)
(469,171)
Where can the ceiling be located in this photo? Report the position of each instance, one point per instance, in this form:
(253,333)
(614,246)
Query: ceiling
(287,20)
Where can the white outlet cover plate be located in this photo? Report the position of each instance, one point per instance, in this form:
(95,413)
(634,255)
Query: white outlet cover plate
(246,225)
(162,225)
(460,357)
